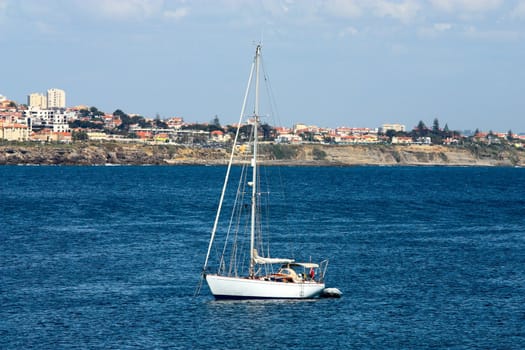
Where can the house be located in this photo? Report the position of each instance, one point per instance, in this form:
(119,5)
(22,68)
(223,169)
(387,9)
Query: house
(162,137)
(144,135)
(175,123)
(424,140)
(47,135)
(401,140)
(97,135)
(280,130)
(345,139)
(13,131)
(288,138)
(219,136)
(450,141)
(368,138)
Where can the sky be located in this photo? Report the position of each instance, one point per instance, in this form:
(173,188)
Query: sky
(330,63)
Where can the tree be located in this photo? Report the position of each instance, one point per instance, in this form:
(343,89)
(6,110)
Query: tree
(85,124)
(216,122)
(95,112)
(79,136)
(510,136)
(420,130)
(159,123)
(124,119)
(83,113)
(268,132)
(308,136)
(245,132)
(435,126)
(390,133)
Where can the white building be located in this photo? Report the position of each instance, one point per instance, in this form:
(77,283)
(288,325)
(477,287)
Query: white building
(37,100)
(55,119)
(396,127)
(56,98)
(288,138)
(401,140)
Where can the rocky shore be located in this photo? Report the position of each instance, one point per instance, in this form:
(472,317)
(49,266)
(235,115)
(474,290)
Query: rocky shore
(306,154)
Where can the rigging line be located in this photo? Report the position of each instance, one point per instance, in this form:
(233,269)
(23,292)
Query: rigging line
(198,288)
(267,215)
(225,185)
(236,210)
(276,117)
(273,113)
(277,121)
(236,215)
(271,96)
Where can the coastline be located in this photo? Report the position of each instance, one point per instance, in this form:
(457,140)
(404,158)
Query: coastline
(111,153)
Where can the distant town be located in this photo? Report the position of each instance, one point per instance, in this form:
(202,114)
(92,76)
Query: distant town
(45,118)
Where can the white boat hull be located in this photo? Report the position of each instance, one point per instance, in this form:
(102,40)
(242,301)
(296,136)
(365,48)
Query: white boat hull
(223,287)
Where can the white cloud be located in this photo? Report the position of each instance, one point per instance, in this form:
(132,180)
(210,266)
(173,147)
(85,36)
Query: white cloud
(435,30)
(441,27)
(404,11)
(344,8)
(493,35)
(3,9)
(177,14)
(519,10)
(123,9)
(276,8)
(470,6)
(348,32)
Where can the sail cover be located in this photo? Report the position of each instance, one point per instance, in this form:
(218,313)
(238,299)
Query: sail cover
(260,260)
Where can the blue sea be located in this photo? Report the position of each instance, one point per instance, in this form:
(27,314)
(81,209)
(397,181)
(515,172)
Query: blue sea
(110,257)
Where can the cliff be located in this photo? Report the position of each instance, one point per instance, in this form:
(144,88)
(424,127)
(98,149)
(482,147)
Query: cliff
(475,155)
(307,154)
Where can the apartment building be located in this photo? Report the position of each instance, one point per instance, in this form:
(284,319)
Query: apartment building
(37,100)
(56,98)
(55,119)
(396,127)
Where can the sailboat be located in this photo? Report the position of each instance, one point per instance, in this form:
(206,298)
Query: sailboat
(253,273)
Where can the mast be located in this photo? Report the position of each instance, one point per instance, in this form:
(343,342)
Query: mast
(254,161)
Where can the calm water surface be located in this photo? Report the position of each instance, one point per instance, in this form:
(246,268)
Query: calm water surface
(109,257)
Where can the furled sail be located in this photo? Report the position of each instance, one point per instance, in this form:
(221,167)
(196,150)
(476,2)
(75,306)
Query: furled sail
(260,260)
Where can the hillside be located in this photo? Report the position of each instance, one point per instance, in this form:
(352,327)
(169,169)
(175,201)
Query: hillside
(307,154)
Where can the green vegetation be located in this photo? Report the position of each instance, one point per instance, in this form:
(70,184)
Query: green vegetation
(79,136)
(87,124)
(421,131)
(318,154)
(92,112)
(280,152)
